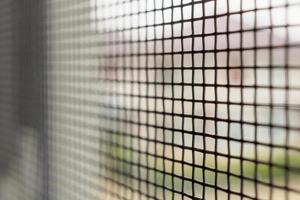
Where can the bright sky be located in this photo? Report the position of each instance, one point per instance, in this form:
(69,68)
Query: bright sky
(280,15)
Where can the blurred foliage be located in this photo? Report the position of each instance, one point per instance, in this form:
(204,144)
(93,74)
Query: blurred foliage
(177,175)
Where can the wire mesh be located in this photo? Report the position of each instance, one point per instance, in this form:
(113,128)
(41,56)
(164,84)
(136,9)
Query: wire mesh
(165,99)
(21,117)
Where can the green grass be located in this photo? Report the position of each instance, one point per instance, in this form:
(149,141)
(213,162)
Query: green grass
(159,174)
